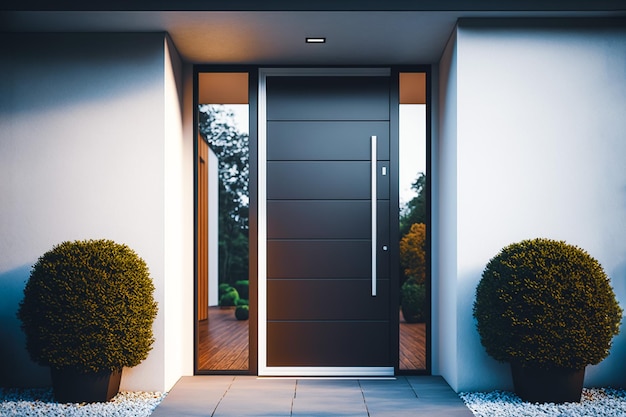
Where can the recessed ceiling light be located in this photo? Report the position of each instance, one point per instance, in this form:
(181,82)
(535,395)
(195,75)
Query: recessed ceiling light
(315,40)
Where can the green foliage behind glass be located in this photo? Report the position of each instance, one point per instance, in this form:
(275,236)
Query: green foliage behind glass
(229,298)
(413,253)
(242,312)
(546,303)
(88,305)
(232,149)
(223,288)
(415,210)
(413,242)
(243,288)
(413,302)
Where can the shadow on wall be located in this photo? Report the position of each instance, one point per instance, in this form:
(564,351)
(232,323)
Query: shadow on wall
(477,370)
(90,68)
(618,364)
(614,365)
(618,282)
(17,370)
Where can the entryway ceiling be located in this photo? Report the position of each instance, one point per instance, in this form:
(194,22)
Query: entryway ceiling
(353,35)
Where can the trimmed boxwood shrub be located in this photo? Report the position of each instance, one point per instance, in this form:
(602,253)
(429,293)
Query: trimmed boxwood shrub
(242,302)
(224,288)
(242,287)
(547,304)
(88,306)
(413,302)
(229,298)
(242,312)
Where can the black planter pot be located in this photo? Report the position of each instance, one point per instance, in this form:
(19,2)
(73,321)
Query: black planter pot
(70,386)
(548,386)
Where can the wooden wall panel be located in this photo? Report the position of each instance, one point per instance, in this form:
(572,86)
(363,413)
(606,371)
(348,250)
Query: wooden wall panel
(203,230)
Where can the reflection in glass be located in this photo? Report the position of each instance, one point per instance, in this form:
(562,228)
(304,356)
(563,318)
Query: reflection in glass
(413,219)
(223,338)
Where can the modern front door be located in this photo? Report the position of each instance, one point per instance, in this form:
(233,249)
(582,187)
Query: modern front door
(324,283)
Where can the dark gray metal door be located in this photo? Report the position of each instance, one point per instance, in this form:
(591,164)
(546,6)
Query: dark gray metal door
(321,311)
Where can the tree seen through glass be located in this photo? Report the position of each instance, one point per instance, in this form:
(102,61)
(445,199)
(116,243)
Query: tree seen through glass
(218,125)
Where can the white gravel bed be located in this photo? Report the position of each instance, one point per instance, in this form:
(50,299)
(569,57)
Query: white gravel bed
(40,403)
(595,402)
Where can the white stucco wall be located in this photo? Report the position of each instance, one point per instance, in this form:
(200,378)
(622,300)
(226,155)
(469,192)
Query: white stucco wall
(539,152)
(92,146)
(178,219)
(444,215)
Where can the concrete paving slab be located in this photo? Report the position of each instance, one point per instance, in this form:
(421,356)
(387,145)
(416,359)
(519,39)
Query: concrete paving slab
(251,396)
(195,396)
(328,397)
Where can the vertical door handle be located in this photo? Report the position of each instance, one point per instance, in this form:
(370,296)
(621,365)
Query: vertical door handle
(374,218)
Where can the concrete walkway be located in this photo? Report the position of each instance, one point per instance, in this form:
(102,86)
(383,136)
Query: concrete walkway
(243,396)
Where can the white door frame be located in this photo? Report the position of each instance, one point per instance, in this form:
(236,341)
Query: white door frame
(263,368)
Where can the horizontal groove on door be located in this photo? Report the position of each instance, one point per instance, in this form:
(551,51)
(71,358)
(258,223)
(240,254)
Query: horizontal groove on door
(326,259)
(335,299)
(330,98)
(335,140)
(324,219)
(328,344)
(323,180)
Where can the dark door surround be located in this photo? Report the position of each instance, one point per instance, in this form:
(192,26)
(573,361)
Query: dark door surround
(387,366)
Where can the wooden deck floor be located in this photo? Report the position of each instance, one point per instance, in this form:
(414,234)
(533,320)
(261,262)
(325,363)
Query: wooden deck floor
(412,346)
(223,343)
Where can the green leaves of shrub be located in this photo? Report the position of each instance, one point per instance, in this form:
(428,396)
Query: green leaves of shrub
(242,312)
(243,288)
(88,305)
(413,302)
(546,303)
(229,298)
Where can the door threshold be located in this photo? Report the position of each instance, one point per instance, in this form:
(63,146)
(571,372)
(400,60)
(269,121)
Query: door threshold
(355,372)
(333,378)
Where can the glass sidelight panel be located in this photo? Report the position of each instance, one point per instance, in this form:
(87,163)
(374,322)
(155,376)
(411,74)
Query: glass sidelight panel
(414,274)
(222,342)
